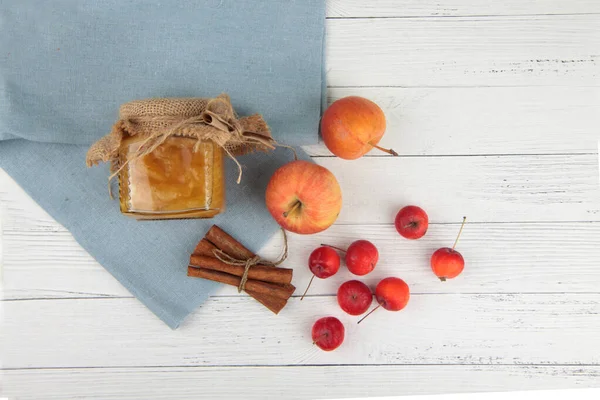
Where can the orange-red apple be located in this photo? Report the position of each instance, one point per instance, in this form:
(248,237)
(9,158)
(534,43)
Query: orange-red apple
(446,262)
(352,126)
(304,197)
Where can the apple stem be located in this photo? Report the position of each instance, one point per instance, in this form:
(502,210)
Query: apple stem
(389,151)
(369,313)
(291,210)
(309,283)
(443,278)
(333,247)
(318,338)
(459,232)
(291,148)
(412,224)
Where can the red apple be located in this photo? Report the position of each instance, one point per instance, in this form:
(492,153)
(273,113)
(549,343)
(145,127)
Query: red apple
(352,126)
(411,222)
(323,263)
(328,333)
(446,262)
(361,257)
(304,197)
(392,294)
(354,297)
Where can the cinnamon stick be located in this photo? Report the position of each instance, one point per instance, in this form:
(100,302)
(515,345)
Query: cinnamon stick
(204,248)
(216,238)
(204,256)
(228,244)
(280,291)
(275,304)
(265,273)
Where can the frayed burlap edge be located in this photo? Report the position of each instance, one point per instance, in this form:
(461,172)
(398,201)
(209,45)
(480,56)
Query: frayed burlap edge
(203,119)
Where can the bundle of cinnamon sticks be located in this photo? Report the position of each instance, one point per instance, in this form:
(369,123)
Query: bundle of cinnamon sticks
(270,285)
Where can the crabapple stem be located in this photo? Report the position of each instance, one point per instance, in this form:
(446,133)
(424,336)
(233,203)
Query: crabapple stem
(369,313)
(318,338)
(309,283)
(333,247)
(291,210)
(459,232)
(389,151)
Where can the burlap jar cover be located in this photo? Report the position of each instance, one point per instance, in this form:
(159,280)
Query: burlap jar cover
(203,119)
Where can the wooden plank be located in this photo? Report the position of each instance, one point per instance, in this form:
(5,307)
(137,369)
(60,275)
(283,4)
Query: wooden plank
(501,258)
(433,329)
(42,259)
(484,120)
(419,8)
(289,382)
(484,51)
(486,189)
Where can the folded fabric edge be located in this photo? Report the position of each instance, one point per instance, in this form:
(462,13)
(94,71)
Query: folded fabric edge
(155,308)
(168,317)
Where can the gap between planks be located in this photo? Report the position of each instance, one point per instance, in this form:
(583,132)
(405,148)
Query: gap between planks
(61,229)
(454,86)
(459,155)
(473,16)
(271,366)
(308,295)
(457,8)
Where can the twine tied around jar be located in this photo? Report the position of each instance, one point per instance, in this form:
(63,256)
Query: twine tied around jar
(156,120)
(251,262)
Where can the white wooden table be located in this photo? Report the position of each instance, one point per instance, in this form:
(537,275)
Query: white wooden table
(494,107)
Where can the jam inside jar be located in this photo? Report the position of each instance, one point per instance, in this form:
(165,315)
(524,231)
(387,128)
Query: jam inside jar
(173,181)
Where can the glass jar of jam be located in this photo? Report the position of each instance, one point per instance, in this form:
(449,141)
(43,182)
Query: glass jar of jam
(173,181)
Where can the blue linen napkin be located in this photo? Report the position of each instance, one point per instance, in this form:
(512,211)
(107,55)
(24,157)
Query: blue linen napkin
(66,66)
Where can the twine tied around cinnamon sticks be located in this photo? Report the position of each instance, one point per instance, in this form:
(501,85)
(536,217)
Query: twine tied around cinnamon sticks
(156,120)
(269,285)
(251,262)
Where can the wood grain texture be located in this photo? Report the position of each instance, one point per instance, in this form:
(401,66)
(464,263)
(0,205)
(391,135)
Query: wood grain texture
(486,189)
(470,78)
(326,382)
(432,329)
(420,8)
(501,258)
(485,51)
(43,261)
(484,120)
